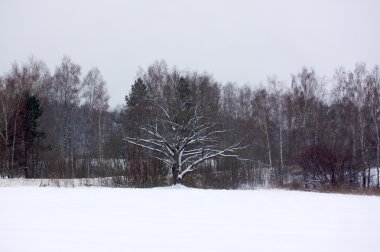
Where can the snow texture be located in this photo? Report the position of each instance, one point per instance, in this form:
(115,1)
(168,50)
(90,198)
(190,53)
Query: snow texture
(162,219)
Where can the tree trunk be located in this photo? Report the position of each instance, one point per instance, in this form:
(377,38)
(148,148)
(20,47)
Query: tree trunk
(316,125)
(14,137)
(281,172)
(281,157)
(377,148)
(268,142)
(175,172)
(6,157)
(361,123)
(100,143)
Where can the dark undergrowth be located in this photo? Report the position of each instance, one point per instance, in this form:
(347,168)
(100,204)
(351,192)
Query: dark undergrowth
(332,189)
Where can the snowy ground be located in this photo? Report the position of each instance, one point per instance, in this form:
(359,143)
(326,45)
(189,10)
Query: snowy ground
(165,219)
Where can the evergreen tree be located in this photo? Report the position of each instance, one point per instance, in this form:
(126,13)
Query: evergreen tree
(138,92)
(34,112)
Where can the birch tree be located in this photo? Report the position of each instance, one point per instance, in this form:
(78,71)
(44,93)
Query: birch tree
(263,109)
(373,98)
(67,88)
(276,90)
(96,95)
(5,115)
(358,96)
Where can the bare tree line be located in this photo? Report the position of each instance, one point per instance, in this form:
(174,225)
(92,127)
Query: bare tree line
(185,127)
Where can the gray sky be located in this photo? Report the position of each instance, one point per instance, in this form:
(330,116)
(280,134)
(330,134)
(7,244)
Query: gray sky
(242,41)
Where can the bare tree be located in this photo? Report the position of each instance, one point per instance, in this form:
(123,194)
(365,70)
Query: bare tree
(96,95)
(183,146)
(373,98)
(263,109)
(180,132)
(276,90)
(5,115)
(67,88)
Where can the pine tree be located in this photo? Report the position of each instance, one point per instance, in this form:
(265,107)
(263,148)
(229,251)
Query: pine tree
(139,92)
(31,112)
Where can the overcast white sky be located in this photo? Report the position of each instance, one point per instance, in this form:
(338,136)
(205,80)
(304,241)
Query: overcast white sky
(242,41)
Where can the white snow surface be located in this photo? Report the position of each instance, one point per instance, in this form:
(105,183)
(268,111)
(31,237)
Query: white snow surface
(162,219)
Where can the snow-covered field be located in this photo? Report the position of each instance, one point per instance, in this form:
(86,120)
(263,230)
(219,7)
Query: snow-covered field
(167,219)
